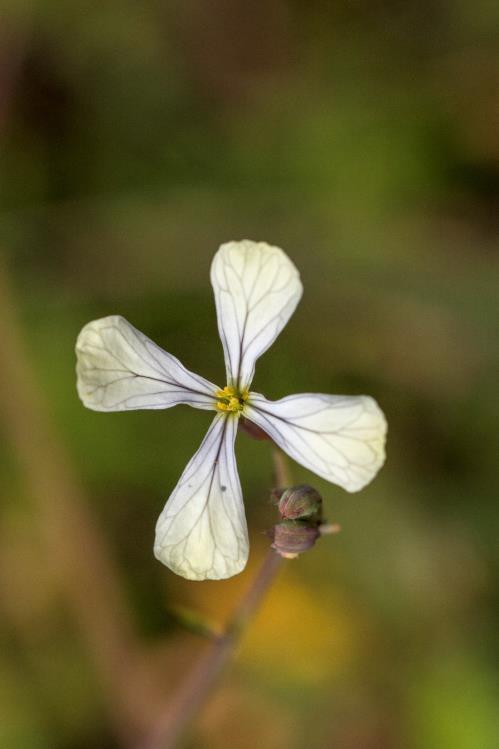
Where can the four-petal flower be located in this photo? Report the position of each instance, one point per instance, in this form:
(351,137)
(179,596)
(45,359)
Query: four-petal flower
(201,533)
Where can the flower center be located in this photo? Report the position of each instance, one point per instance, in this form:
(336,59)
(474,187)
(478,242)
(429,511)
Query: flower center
(231,400)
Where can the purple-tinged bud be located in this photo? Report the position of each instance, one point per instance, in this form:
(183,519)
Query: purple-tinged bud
(299,502)
(291,538)
(252,429)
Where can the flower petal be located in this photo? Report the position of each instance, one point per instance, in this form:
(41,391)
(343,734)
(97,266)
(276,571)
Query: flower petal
(201,533)
(120,369)
(341,438)
(257,288)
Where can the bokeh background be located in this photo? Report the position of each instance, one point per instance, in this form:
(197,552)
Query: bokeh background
(362,137)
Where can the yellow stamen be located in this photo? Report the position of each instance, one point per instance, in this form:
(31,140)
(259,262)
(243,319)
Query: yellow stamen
(230,400)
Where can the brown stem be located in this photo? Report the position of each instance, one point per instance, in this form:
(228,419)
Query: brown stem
(199,684)
(75,551)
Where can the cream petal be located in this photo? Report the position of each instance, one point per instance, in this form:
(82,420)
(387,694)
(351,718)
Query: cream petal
(120,369)
(257,288)
(201,533)
(340,438)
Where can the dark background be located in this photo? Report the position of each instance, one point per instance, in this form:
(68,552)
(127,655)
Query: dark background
(362,137)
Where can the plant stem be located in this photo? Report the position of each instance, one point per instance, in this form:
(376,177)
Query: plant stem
(199,684)
(75,550)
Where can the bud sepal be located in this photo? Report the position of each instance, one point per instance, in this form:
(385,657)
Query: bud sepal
(301,502)
(292,537)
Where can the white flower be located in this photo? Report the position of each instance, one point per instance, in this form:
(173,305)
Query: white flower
(201,533)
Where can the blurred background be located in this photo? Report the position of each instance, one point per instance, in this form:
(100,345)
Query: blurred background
(362,137)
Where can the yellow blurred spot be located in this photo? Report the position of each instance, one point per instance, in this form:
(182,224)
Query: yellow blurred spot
(302,633)
(299,635)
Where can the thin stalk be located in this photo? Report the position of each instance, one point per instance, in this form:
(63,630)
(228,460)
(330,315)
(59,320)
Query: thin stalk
(200,682)
(76,551)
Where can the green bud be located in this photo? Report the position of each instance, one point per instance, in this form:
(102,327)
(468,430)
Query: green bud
(299,502)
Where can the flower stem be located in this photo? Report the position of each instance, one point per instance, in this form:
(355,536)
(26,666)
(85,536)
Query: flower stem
(199,684)
(76,555)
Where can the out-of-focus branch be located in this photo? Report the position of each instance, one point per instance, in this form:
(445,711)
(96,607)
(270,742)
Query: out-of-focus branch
(199,684)
(75,549)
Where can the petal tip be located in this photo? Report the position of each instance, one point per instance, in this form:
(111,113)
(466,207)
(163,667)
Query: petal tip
(198,574)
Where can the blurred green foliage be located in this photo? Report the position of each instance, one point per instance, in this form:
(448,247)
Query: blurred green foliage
(362,138)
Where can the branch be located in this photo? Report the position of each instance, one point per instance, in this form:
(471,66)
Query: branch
(199,684)
(75,549)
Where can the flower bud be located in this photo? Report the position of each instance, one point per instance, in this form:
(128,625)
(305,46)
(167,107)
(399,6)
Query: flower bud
(252,429)
(299,502)
(292,537)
